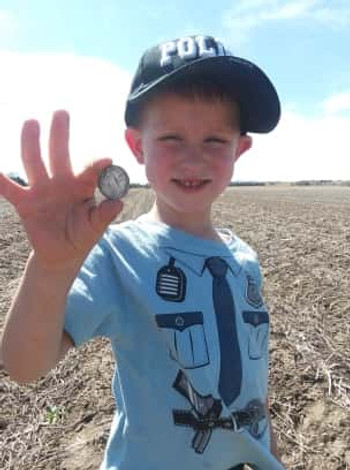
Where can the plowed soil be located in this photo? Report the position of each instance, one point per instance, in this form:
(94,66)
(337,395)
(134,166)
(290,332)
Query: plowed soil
(302,235)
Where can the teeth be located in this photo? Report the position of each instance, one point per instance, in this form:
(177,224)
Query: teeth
(191,184)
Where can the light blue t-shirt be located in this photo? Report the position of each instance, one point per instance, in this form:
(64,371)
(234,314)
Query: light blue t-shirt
(145,286)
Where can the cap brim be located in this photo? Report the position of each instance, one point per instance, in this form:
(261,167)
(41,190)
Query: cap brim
(248,84)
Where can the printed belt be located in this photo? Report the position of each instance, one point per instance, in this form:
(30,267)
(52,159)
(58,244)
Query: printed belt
(205,415)
(252,414)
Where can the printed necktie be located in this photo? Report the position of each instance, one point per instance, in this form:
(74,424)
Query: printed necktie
(230,366)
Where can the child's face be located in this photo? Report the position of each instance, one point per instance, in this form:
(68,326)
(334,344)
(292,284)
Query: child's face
(189,148)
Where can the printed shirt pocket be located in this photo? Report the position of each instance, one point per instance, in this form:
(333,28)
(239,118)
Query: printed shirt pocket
(186,336)
(258,328)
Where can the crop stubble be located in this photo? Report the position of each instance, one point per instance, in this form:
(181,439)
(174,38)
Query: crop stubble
(302,236)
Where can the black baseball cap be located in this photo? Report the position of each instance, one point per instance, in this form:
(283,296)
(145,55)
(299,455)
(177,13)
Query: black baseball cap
(205,56)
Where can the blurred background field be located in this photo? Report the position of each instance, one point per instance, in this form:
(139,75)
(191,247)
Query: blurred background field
(302,235)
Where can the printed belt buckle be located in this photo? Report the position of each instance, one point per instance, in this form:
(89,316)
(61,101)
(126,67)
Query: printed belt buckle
(236,427)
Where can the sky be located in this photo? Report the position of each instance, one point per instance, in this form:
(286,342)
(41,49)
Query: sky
(80,55)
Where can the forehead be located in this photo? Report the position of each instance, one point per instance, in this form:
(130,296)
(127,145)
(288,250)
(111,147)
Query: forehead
(171,107)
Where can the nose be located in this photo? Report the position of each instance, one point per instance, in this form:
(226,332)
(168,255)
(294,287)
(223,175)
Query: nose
(192,157)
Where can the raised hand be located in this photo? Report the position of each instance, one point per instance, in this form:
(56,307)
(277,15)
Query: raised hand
(58,209)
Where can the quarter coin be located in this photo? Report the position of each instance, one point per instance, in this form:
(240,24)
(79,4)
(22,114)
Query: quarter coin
(113,182)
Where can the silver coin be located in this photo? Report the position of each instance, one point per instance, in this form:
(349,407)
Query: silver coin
(113,182)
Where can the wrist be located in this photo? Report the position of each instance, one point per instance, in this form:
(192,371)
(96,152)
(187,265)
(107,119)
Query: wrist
(52,276)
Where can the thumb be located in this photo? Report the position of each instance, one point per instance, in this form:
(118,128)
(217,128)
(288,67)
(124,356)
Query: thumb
(105,213)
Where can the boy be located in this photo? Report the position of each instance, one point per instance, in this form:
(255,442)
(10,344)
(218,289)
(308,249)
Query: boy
(179,299)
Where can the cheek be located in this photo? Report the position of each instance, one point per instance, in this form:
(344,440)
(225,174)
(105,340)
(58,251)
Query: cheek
(157,167)
(224,164)
(224,171)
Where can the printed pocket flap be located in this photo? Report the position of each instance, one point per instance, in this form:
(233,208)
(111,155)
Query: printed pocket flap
(256,318)
(179,321)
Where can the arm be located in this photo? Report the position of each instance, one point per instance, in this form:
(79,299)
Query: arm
(33,340)
(63,223)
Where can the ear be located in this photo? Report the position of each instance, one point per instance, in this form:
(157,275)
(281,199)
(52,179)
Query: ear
(244,144)
(134,140)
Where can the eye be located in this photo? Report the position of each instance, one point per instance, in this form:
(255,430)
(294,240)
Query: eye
(170,138)
(215,140)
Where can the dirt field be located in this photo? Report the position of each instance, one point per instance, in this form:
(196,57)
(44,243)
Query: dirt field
(303,238)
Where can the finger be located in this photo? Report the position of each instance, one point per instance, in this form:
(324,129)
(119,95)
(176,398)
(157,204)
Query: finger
(92,171)
(10,190)
(31,155)
(89,176)
(58,144)
(101,216)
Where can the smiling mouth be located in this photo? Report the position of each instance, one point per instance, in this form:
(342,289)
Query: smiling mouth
(191,183)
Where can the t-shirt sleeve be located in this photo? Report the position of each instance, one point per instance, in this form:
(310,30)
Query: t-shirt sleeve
(94,302)
(248,259)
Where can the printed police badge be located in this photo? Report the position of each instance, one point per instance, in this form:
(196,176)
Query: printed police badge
(253,294)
